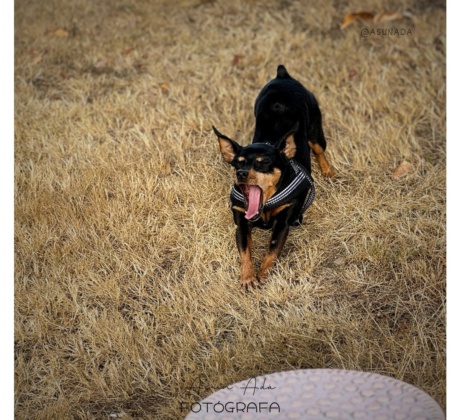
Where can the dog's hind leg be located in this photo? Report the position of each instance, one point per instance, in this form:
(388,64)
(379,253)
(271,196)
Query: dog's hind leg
(318,151)
(317,142)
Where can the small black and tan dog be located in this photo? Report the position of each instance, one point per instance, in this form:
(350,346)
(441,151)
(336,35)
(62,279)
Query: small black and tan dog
(273,184)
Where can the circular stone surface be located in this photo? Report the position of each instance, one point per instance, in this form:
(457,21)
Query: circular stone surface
(315,394)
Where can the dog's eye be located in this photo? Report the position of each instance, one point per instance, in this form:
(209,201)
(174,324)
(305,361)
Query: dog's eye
(262,163)
(239,163)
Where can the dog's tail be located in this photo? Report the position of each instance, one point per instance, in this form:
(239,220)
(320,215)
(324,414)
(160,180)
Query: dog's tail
(281,72)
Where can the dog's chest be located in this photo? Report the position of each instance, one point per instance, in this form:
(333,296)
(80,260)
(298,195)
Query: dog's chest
(267,217)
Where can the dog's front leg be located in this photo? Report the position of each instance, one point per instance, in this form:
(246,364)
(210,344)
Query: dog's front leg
(277,241)
(244,244)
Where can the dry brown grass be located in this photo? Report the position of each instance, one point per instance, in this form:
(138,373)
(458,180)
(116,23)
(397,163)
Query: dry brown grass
(126,271)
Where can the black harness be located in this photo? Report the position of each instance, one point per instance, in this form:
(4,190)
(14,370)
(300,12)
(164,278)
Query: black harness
(298,185)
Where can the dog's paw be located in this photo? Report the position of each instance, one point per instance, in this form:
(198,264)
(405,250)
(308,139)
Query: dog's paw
(328,173)
(249,282)
(262,274)
(266,267)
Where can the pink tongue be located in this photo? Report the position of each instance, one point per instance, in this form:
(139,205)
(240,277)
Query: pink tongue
(253,202)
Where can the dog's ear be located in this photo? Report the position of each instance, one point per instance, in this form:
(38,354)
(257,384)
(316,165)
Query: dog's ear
(228,147)
(287,144)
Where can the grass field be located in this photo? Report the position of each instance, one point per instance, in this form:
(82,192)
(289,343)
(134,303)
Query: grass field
(126,270)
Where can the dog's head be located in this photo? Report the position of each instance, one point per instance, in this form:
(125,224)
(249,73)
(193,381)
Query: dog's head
(258,167)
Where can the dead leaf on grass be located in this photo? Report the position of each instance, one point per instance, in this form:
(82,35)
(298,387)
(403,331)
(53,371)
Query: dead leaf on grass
(236,59)
(101,67)
(352,73)
(37,56)
(368,16)
(59,32)
(101,64)
(403,169)
(37,59)
(353,17)
(387,16)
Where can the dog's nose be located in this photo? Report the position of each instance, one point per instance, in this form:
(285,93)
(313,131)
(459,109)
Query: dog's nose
(242,174)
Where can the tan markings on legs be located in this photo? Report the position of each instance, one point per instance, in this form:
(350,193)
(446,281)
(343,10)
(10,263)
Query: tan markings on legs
(278,238)
(248,277)
(318,151)
(290,148)
(266,266)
